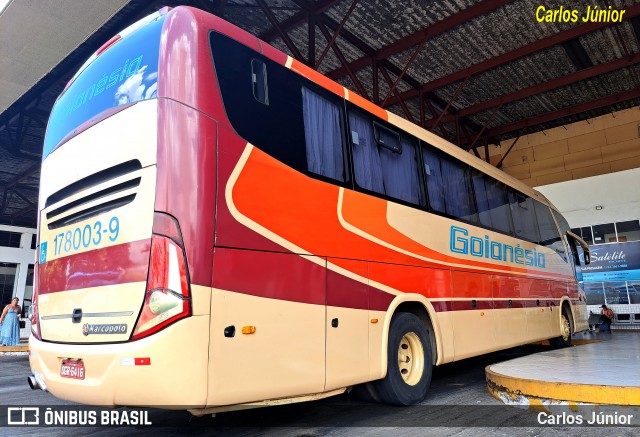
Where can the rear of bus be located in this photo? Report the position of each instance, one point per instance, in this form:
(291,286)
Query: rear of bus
(117,319)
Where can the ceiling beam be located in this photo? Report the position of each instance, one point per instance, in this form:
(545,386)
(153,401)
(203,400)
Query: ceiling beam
(281,32)
(423,35)
(298,19)
(392,68)
(513,55)
(540,88)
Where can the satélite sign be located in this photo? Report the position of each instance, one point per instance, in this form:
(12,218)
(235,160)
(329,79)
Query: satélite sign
(613,262)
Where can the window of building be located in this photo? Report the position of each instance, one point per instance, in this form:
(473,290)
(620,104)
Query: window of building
(323,136)
(616,293)
(594,292)
(604,234)
(34,240)
(586,234)
(8,273)
(633,287)
(628,231)
(10,239)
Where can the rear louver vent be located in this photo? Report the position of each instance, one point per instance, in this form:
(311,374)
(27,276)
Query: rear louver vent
(57,218)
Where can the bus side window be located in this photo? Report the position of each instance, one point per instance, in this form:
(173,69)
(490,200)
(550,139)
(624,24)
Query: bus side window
(524,220)
(366,158)
(492,203)
(323,136)
(549,236)
(435,183)
(449,185)
(400,169)
(259,81)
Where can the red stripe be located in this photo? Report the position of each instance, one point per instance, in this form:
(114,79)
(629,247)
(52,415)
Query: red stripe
(293,278)
(467,305)
(112,265)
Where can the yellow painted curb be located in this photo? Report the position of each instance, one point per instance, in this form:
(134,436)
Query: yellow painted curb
(513,388)
(24,348)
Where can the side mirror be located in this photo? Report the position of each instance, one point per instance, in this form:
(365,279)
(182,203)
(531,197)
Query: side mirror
(583,244)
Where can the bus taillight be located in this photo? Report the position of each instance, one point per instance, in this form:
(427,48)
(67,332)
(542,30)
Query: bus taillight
(167,299)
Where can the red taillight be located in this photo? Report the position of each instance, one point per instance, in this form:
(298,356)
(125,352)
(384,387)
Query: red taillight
(167,298)
(35,322)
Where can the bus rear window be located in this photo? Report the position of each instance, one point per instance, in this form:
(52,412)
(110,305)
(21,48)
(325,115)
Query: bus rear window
(125,73)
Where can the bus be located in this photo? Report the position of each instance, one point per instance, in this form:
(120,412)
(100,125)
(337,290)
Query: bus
(222,227)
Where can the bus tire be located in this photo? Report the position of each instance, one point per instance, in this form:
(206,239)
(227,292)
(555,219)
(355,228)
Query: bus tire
(409,362)
(566,328)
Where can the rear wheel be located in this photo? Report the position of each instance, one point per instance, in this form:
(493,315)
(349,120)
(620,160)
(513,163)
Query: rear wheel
(409,362)
(564,339)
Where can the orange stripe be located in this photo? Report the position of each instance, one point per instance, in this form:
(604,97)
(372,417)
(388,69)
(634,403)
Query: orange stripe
(360,101)
(289,204)
(318,78)
(370,215)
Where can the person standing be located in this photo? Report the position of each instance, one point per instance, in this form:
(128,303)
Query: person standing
(10,324)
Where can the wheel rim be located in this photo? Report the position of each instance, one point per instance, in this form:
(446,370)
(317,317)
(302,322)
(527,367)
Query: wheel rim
(565,327)
(411,358)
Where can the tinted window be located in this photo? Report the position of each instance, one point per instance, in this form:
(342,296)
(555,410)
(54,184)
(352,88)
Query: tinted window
(384,161)
(548,230)
(492,203)
(323,136)
(261,125)
(449,185)
(125,73)
(524,220)
(259,81)
(367,164)
(401,172)
(564,227)
(549,236)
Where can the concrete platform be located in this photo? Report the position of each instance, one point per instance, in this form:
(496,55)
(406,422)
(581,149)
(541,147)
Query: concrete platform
(600,372)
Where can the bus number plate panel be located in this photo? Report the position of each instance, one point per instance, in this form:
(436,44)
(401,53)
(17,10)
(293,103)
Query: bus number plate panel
(72,369)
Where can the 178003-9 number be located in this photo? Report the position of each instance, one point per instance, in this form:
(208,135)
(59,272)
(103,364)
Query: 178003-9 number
(86,236)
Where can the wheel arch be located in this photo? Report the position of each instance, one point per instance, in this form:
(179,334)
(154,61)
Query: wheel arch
(421,307)
(565,302)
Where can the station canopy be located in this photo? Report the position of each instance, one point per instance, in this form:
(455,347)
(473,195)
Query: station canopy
(475,72)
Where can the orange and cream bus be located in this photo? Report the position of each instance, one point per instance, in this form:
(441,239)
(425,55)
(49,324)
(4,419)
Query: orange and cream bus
(222,227)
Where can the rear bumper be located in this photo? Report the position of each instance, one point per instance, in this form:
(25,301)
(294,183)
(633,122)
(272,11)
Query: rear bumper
(176,377)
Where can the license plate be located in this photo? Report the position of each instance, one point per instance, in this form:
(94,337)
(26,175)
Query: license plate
(72,369)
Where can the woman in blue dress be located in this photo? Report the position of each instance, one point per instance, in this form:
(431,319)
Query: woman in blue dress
(10,324)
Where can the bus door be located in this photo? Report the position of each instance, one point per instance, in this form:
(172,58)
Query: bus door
(347,325)
(580,254)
